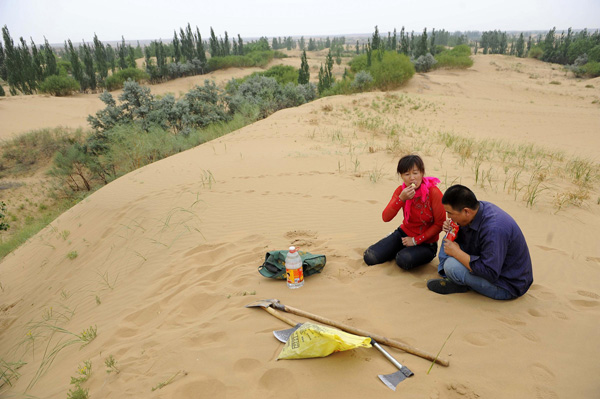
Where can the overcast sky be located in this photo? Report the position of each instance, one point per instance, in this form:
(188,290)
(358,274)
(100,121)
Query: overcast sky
(59,20)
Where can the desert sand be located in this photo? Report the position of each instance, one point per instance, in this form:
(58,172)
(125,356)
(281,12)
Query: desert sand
(163,260)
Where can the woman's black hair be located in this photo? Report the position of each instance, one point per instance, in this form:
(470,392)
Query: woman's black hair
(408,162)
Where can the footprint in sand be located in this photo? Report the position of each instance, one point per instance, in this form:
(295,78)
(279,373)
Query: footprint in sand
(278,380)
(208,387)
(245,365)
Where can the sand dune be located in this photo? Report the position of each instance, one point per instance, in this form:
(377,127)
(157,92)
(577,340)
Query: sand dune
(164,259)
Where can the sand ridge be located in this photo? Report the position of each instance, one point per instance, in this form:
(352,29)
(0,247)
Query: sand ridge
(166,257)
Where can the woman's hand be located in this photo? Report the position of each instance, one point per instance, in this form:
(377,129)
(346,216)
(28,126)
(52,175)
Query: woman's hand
(407,193)
(408,241)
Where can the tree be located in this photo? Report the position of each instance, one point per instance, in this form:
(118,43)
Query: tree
(88,62)
(100,58)
(326,79)
(176,48)
(76,69)
(50,60)
(422,46)
(213,44)
(240,45)
(2,63)
(304,72)
(376,39)
(520,46)
(122,51)
(200,51)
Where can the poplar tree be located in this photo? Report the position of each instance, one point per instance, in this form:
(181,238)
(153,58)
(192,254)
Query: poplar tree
(301,43)
(422,46)
(2,63)
(28,74)
(122,50)
(111,58)
(131,57)
(100,58)
(226,48)
(76,69)
(520,46)
(50,60)
(37,63)
(88,62)
(200,47)
(240,45)
(12,63)
(304,72)
(213,44)
(404,42)
(176,48)
(376,39)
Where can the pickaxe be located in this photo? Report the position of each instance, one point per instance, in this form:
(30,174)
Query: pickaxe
(390,380)
(271,304)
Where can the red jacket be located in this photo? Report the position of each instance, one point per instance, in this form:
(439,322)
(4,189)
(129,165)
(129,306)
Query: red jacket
(425,220)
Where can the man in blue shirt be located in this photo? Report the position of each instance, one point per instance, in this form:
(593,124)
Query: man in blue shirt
(489,255)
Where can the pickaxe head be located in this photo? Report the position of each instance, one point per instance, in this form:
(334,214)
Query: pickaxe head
(263,303)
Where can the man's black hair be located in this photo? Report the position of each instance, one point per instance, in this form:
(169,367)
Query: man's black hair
(460,197)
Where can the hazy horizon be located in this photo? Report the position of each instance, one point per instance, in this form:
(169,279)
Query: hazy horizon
(135,20)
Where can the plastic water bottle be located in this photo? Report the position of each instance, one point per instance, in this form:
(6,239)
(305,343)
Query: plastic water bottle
(293,269)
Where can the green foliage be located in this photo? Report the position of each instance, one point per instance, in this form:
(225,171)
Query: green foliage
(456,58)
(78,393)
(3,225)
(425,63)
(591,69)
(535,52)
(283,74)
(2,93)
(303,72)
(59,85)
(388,68)
(363,81)
(253,59)
(392,71)
(26,151)
(267,95)
(117,80)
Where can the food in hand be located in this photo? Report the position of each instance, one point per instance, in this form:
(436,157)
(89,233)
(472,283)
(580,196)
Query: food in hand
(413,185)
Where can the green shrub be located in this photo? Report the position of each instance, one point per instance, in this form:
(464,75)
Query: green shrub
(59,85)
(254,59)
(461,51)
(283,74)
(453,60)
(591,69)
(392,71)
(117,80)
(535,52)
(363,81)
(2,93)
(425,63)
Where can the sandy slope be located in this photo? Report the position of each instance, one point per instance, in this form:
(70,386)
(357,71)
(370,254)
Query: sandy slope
(167,257)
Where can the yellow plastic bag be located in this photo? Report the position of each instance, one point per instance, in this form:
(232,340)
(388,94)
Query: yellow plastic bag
(312,340)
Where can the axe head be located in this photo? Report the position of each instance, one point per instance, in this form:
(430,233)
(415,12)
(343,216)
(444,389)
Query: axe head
(284,335)
(263,303)
(392,380)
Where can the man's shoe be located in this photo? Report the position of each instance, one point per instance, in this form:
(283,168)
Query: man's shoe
(445,286)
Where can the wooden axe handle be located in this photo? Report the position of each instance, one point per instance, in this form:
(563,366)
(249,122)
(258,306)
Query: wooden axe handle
(280,316)
(353,330)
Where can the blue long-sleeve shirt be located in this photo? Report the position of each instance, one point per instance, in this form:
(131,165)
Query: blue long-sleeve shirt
(498,249)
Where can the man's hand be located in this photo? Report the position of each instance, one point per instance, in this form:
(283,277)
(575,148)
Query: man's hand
(451,248)
(446,226)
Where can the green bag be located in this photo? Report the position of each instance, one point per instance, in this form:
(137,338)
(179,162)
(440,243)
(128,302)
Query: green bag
(274,266)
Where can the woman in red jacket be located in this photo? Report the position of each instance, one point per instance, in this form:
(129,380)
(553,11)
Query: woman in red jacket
(414,243)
